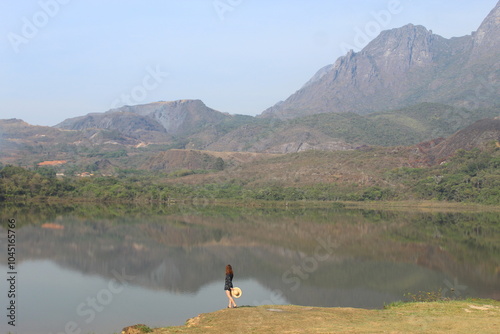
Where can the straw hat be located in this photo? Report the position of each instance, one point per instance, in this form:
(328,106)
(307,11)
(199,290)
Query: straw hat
(236,292)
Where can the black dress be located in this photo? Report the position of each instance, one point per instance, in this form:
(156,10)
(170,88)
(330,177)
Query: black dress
(228,285)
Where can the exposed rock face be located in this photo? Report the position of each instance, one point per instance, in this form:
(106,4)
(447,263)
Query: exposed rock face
(168,118)
(485,39)
(177,116)
(405,66)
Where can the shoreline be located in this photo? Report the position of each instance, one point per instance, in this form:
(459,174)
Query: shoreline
(420,205)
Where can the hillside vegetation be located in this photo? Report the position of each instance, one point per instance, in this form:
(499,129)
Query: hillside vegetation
(104,150)
(406,126)
(375,174)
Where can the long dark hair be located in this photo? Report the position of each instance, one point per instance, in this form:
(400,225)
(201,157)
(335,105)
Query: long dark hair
(229,270)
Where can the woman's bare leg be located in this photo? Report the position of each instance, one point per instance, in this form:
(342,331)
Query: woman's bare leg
(231,300)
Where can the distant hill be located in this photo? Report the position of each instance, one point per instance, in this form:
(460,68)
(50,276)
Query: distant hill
(403,67)
(439,169)
(18,138)
(129,139)
(477,135)
(181,124)
(407,87)
(158,121)
(368,166)
(192,160)
(344,131)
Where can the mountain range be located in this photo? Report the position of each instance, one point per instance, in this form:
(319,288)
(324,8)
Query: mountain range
(405,87)
(402,67)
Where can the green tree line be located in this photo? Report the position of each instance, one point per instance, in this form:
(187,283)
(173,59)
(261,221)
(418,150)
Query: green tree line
(471,176)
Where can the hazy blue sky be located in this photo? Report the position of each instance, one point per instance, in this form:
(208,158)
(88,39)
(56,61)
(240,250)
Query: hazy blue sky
(66,58)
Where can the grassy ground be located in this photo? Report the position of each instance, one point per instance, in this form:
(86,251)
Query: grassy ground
(469,316)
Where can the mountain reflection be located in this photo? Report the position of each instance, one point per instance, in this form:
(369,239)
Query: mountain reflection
(323,257)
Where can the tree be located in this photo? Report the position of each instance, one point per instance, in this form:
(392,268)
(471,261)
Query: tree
(219,164)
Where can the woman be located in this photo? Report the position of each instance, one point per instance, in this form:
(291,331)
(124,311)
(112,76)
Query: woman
(229,285)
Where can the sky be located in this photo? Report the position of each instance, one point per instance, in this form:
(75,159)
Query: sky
(67,58)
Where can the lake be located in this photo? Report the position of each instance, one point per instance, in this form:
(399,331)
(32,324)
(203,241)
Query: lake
(97,269)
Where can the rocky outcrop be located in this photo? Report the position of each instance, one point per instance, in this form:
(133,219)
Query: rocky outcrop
(165,119)
(177,117)
(485,39)
(402,67)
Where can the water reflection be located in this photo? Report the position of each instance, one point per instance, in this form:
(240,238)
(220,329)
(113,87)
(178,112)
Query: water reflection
(317,257)
(59,296)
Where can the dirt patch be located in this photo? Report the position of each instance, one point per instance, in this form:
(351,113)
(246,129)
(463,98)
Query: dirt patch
(193,321)
(52,163)
(135,329)
(483,307)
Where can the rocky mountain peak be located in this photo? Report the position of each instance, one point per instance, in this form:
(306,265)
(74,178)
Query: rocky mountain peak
(401,67)
(148,108)
(408,46)
(486,36)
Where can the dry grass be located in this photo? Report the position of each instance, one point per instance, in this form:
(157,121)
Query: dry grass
(476,316)
(310,168)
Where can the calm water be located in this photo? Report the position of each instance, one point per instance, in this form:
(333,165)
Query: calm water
(98,269)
